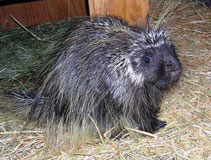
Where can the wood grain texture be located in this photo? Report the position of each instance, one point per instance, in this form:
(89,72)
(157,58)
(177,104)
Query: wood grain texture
(132,11)
(41,12)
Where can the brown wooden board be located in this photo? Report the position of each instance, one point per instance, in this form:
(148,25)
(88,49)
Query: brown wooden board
(43,11)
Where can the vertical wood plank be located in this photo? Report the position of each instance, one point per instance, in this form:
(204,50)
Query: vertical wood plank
(118,8)
(132,11)
(99,7)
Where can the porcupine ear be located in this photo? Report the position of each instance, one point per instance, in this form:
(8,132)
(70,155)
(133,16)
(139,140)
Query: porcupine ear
(140,24)
(148,24)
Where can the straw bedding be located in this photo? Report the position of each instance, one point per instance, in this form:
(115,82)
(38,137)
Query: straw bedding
(186,107)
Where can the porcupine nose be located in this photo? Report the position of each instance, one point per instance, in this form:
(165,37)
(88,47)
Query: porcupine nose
(173,67)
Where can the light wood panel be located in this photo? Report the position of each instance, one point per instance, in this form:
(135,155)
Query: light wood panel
(132,11)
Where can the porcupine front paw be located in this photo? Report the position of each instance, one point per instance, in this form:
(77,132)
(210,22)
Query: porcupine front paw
(158,124)
(152,126)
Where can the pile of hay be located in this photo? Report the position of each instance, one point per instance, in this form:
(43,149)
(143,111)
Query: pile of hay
(186,107)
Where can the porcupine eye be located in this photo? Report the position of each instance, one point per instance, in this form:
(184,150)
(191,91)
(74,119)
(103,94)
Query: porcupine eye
(146,59)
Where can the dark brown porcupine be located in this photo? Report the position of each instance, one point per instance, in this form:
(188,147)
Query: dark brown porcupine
(111,72)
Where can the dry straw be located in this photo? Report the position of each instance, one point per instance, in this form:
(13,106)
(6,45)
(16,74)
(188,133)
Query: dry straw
(186,107)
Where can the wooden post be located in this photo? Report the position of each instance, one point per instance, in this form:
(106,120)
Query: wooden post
(133,11)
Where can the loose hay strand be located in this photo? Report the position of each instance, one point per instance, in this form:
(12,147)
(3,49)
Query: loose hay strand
(98,130)
(17,22)
(142,132)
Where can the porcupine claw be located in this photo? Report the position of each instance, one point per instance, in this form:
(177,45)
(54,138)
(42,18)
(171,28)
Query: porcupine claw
(160,124)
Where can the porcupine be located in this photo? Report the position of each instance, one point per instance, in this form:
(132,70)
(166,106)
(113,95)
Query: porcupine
(111,72)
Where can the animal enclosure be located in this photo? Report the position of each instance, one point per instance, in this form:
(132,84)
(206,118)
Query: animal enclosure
(186,107)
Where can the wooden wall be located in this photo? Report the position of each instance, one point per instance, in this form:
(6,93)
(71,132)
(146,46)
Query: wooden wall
(36,12)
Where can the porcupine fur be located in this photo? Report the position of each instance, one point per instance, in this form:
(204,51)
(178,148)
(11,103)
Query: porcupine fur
(111,72)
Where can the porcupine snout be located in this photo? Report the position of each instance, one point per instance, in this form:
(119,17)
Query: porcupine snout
(170,68)
(173,68)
